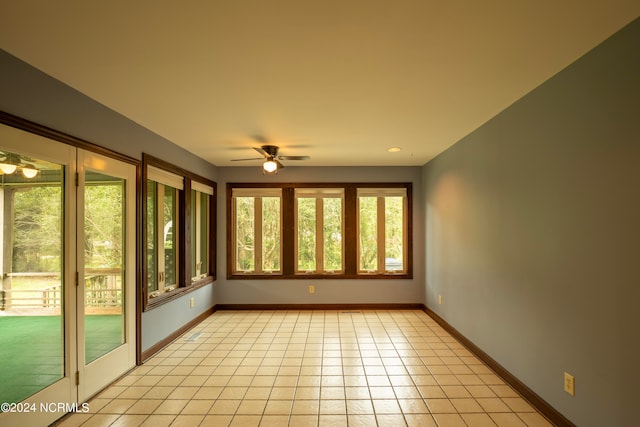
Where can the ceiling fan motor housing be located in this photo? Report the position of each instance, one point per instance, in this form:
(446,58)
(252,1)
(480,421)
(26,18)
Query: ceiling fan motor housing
(270,150)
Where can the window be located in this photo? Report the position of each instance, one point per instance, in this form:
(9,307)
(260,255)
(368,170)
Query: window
(381,230)
(179,223)
(325,231)
(257,230)
(200,213)
(163,190)
(319,217)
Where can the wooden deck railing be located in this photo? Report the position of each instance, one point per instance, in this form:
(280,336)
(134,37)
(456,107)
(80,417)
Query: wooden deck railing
(103,288)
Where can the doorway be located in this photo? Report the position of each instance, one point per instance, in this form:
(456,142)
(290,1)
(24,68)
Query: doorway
(67,302)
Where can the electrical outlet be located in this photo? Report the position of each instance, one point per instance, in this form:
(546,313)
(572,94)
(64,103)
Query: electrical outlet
(312,289)
(569,384)
(192,302)
(439,299)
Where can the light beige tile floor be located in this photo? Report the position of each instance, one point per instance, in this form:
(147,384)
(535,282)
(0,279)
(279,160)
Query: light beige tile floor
(312,368)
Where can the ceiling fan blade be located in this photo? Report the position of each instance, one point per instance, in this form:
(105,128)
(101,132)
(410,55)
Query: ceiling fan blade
(280,165)
(262,139)
(261,151)
(242,160)
(294,157)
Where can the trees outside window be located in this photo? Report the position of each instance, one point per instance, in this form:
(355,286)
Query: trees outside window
(201,195)
(325,231)
(257,224)
(319,224)
(163,193)
(179,222)
(381,230)
(37,227)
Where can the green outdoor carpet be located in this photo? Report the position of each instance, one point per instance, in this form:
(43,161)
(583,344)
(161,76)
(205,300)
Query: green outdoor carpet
(103,334)
(31,350)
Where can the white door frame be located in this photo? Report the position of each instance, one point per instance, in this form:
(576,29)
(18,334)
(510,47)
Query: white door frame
(99,373)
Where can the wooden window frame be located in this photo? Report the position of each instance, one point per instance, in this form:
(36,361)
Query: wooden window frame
(350,233)
(381,194)
(196,221)
(317,194)
(258,194)
(163,287)
(186,282)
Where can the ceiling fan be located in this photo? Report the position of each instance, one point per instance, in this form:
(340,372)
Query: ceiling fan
(10,162)
(272,158)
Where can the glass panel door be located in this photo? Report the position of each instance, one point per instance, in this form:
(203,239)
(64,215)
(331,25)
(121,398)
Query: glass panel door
(106,260)
(31,319)
(37,323)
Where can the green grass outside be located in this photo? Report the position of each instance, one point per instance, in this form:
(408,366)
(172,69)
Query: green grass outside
(31,350)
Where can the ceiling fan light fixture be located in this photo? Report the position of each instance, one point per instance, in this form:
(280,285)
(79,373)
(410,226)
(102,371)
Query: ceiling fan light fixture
(29,171)
(270,166)
(7,168)
(271,158)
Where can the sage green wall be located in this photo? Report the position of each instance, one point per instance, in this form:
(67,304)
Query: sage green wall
(533,235)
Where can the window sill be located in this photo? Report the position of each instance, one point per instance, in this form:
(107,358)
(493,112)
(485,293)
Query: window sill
(152,303)
(314,276)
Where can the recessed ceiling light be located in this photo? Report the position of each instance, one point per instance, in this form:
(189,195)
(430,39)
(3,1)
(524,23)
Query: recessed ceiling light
(393,149)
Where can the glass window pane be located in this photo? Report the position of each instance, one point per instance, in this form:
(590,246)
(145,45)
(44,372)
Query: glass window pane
(306,234)
(170,206)
(152,238)
(270,234)
(245,233)
(203,234)
(368,233)
(394,236)
(332,229)
(162,238)
(104,252)
(195,267)
(199,234)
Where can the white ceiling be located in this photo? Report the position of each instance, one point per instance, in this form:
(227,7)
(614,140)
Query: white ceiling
(338,80)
